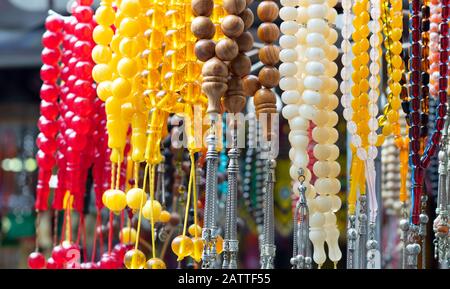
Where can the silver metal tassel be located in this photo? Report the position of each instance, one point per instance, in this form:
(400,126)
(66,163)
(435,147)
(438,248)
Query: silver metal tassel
(301,258)
(268,245)
(231,243)
(209,232)
(352,236)
(362,232)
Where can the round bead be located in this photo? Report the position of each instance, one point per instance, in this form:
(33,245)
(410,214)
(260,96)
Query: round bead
(269,55)
(288,13)
(205,49)
(36,260)
(232,26)
(245,42)
(136,198)
(241,65)
(268,32)
(248,18)
(234,6)
(203,27)
(152,209)
(182,246)
(267,11)
(155,263)
(288,69)
(134,259)
(202,7)
(226,49)
(269,76)
(250,85)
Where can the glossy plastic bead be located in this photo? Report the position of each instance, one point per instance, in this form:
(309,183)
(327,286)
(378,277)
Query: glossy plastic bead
(134,259)
(155,263)
(182,246)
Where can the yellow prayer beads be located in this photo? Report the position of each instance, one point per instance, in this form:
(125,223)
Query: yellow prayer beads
(393,32)
(359,91)
(390,121)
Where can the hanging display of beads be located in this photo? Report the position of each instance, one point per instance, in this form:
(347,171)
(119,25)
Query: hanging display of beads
(147,97)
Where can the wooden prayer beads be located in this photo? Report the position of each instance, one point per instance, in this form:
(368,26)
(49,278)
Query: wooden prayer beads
(268,32)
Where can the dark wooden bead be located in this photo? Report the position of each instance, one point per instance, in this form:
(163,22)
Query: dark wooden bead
(202,7)
(269,55)
(250,84)
(205,49)
(268,32)
(234,6)
(248,18)
(203,27)
(241,65)
(232,26)
(269,76)
(267,11)
(245,42)
(227,49)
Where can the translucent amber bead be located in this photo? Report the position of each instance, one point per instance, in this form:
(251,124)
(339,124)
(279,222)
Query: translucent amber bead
(127,235)
(164,217)
(182,246)
(393,116)
(397,61)
(198,249)
(387,130)
(395,103)
(195,230)
(155,263)
(396,74)
(134,259)
(396,88)
(147,210)
(396,34)
(116,200)
(136,197)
